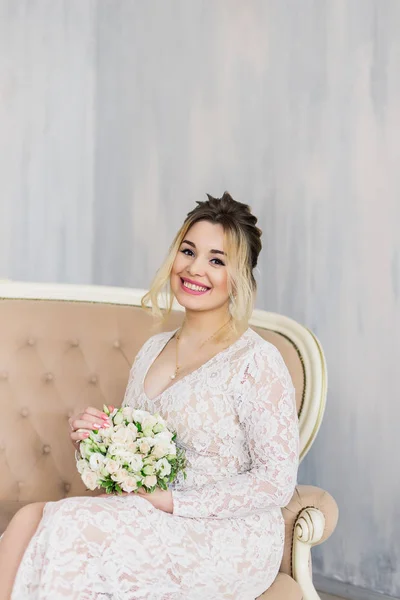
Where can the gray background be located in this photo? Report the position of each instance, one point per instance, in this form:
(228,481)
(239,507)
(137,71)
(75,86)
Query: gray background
(116,115)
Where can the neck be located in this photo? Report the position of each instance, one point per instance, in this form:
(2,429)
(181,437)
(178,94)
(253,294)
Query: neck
(199,324)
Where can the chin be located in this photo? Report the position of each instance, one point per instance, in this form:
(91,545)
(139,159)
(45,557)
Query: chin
(192,303)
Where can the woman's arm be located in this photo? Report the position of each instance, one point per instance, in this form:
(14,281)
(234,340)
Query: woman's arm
(267,412)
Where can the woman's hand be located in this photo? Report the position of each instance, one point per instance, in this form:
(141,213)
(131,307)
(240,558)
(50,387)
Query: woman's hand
(160,499)
(83,423)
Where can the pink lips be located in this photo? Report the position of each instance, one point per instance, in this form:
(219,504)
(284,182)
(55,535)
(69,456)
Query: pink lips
(193,292)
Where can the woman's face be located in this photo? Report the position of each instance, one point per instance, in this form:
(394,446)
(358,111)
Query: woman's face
(199,278)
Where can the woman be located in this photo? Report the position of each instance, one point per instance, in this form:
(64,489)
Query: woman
(228,394)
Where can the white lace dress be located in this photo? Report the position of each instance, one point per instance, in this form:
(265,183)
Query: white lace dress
(236,418)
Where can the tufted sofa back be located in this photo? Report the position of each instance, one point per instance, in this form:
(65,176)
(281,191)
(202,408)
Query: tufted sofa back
(60,351)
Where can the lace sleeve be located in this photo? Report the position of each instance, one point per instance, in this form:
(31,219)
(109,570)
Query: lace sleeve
(267,413)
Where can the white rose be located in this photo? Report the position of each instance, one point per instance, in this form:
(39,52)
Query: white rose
(149,422)
(165,436)
(143,446)
(139,415)
(160,450)
(115,449)
(118,419)
(131,447)
(81,465)
(133,429)
(150,440)
(150,481)
(96,461)
(89,478)
(127,413)
(122,435)
(149,470)
(129,485)
(163,467)
(107,433)
(172,449)
(86,449)
(120,476)
(136,462)
(111,465)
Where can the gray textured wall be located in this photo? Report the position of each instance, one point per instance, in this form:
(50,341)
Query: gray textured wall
(116,115)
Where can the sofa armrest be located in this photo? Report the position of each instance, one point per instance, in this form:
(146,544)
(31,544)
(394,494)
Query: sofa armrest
(310,518)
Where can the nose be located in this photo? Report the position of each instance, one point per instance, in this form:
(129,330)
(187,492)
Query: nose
(196,267)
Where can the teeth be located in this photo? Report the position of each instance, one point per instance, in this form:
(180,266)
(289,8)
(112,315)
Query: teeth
(194,287)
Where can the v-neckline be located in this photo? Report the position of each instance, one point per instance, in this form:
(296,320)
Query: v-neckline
(207,362)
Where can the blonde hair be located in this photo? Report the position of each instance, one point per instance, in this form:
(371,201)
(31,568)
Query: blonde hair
(243,245)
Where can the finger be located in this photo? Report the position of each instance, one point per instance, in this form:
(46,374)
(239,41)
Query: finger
(81,424)
(92,419)
(95,412)
(78,436)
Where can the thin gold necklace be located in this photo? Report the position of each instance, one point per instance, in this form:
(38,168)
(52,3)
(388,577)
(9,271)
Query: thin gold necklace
(178,335)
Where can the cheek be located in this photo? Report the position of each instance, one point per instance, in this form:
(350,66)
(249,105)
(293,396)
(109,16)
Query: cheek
(220,281)
(179,263)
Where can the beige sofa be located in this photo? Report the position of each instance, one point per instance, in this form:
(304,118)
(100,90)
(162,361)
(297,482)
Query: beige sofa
(64,347)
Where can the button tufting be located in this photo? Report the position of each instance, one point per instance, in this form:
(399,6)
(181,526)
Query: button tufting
(25,411)
(67,487)
(75,343)
(49,377)
(93,379)
(46,449)
(117,344)
(3,375)
(31,341)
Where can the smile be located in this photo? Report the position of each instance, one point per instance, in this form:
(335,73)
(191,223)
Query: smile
(193,288)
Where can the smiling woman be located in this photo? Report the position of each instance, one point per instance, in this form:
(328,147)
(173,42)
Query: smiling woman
(220,239)
(228,395)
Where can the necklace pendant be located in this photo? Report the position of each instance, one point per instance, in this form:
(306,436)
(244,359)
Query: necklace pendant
(173,376)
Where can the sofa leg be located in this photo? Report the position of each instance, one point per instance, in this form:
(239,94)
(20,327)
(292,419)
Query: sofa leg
(308,531)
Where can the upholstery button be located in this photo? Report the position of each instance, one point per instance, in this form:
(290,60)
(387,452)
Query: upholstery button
(75,343)
(93,379)
(25,411)
(67,487)
(20,484)
(3,375)
(46,449)
(117,344)
(31,341)
(49,377)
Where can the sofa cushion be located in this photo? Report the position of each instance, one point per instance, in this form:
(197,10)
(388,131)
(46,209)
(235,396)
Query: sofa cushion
(283,588)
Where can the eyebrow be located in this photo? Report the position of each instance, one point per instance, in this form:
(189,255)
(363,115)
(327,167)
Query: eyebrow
(212,251)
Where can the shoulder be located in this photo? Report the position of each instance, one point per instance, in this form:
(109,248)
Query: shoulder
(259,359)
(256,347)
(160,338)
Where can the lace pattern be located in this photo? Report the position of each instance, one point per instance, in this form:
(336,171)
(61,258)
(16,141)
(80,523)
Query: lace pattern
(236,418)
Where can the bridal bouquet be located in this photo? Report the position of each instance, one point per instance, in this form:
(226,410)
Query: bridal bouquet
(136,451)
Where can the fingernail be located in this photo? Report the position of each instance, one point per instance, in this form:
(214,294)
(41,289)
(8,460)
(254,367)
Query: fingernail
(86,435)
(97,426)
(104,415)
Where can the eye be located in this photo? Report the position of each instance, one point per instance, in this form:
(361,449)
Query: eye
(218,262)
(187,252)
